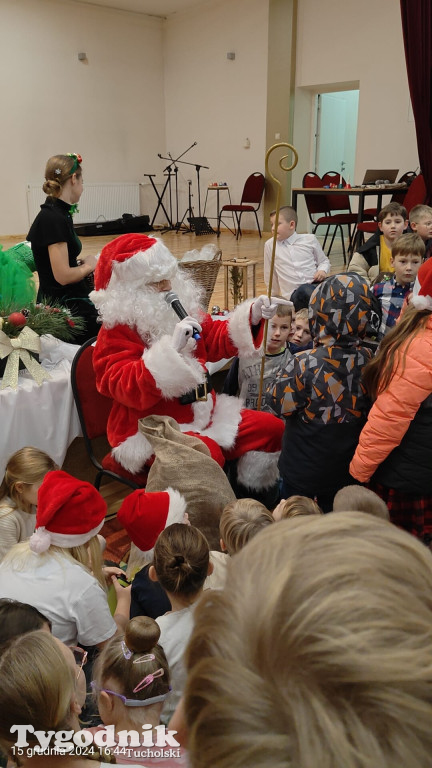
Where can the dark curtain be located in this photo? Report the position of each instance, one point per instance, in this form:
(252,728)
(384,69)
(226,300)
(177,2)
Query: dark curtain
(417,33)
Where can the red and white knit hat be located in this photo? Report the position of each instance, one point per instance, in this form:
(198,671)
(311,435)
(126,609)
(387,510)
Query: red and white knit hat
(145,515)
(422,290)
(134,257)
(69,512)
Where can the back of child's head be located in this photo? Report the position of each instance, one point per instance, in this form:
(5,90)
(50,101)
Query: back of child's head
(296,506)
(240,521)
(135,663)
(392,209)
(37,687)
(28,466)
(409,244)
(181,559)
(317,651)
(356,498)
(18,618)
(419,212)
(287,213)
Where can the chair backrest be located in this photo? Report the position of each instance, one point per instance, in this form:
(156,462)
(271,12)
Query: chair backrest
(416,194)
(315,203)
(93,408)
(336,202)
(406,178)
(253,189)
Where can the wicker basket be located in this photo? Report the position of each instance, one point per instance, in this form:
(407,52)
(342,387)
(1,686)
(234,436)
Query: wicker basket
(205,274)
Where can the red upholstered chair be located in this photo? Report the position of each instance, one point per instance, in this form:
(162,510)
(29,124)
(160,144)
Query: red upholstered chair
(416,194)
(93,411)
(319,204)
(397,197)
(250,202)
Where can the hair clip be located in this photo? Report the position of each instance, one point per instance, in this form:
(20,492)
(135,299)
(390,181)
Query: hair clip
(57,171)
(146,657)
(148,679)
(126,652)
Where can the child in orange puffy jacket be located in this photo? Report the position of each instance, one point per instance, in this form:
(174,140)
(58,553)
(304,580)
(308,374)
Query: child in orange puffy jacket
(394,454)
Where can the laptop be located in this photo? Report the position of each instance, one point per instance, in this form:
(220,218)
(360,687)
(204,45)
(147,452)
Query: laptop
(371,177)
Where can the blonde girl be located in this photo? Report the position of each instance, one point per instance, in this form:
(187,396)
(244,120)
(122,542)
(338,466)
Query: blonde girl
(56,248)
(40,688)
(181,565)
(132,682)
(394,454)
(23,477)
(59,570)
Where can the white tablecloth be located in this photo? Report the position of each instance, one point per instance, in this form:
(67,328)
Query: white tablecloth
(44,416)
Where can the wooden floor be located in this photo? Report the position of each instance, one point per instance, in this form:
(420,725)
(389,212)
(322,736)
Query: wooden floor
(249,246)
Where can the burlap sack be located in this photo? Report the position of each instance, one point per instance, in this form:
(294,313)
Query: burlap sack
(184,463)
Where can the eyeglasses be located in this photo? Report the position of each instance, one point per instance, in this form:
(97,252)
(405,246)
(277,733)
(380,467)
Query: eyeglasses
(80,656)
(129,702)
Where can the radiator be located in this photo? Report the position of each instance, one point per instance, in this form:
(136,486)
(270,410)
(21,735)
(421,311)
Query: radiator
(98,201)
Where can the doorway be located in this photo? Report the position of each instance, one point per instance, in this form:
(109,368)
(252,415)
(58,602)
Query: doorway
(336,132)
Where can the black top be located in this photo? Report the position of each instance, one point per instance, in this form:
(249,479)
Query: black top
(147,597)
(54,224)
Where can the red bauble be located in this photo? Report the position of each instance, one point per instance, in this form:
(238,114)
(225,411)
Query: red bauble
(17,319)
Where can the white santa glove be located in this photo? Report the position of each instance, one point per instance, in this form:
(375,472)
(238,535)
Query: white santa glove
(266,308)
(184,331)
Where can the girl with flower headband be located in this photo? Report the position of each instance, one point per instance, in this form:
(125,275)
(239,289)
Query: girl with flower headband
(56,247)
(394,454)
(132,682)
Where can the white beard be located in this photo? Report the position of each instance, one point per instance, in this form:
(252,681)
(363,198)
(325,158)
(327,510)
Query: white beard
(139,306)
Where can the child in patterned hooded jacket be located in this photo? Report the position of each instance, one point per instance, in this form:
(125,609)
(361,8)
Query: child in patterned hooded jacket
(320,393)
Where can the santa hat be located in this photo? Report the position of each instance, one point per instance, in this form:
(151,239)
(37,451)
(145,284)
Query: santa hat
(69,512)
(145,515)
(422,290)
(134,257)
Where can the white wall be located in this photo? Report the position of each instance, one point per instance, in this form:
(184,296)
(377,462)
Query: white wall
(348,42)
(214,101)
(152,86)
(111,109)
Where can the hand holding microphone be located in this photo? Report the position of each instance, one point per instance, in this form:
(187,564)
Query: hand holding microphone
(182,331)
(186,329)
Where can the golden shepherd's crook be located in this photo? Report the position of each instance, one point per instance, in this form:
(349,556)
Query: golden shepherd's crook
(278,196)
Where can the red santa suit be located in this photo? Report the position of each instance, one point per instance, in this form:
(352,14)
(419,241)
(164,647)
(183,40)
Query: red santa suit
(138,366)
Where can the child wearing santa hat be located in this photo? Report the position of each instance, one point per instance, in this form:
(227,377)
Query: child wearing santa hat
(59,570)
(144,516)
(394,454)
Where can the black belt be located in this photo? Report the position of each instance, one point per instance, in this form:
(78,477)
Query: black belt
(199,393)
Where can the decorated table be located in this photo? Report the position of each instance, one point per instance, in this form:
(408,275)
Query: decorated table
(43,416)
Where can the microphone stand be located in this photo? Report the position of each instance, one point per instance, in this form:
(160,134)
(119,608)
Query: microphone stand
(198,167)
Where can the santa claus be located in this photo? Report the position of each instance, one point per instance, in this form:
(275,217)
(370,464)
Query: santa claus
(150,363)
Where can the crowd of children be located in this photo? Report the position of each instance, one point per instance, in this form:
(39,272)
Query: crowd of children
(221,640)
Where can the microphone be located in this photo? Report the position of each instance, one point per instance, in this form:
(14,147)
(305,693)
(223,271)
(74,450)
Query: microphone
(172,299)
